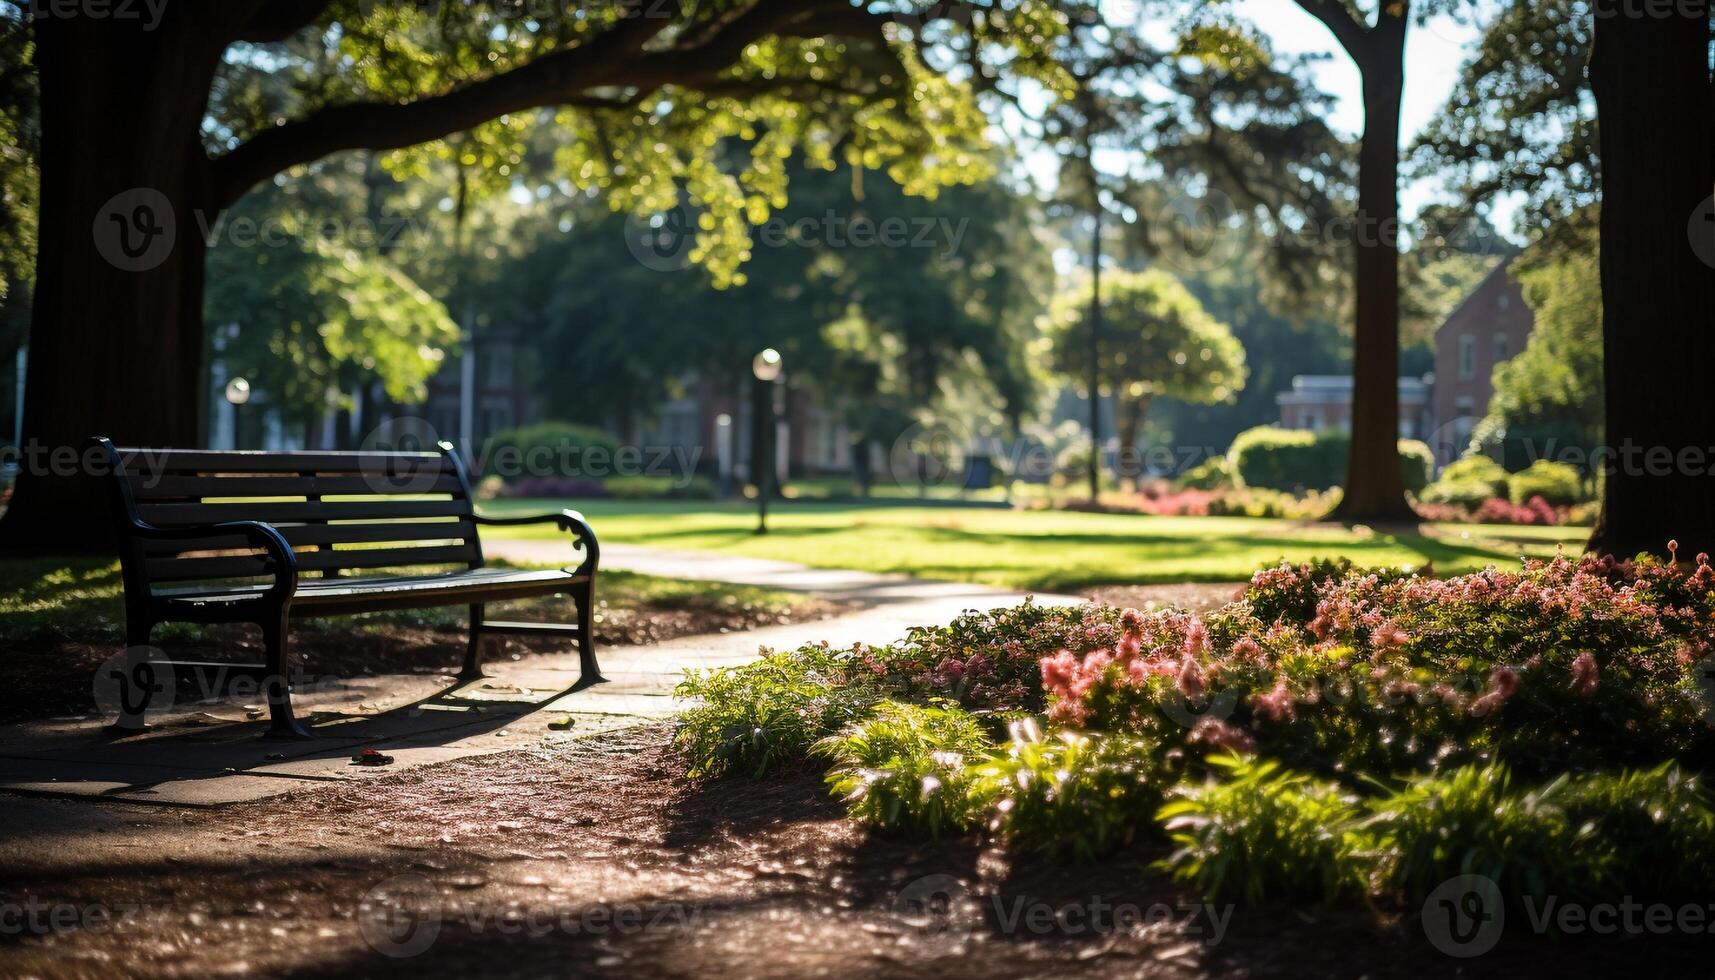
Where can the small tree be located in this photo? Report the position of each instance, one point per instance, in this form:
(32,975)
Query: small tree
(1157,340)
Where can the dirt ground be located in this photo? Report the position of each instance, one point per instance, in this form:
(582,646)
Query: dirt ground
(596,859)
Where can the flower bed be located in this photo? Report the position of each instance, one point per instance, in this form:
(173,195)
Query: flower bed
(1335,734)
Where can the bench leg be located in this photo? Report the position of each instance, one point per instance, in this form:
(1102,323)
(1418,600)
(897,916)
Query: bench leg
(282,725)
(473,653)
(137,688)
(584,597)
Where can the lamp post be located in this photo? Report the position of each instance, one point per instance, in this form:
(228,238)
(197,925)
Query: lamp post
(765,367)
(237,394)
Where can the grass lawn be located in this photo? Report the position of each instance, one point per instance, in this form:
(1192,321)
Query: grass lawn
(1049,550)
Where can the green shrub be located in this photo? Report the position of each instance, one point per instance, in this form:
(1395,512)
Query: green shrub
(1479,469)
(1289,459)
(1473,820)
(1656,826)
(1072,795)
(549,449)
(1459,493)
(1417,464)
(1557,483)
(1211,474)
(659,488)
(749,718)
(1289,592)
(1588,837)
(904,768)
(1261,833)
(1285,459)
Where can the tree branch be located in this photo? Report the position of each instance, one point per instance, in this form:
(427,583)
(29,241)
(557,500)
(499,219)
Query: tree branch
(618,58)
(1352,33)
(278,20)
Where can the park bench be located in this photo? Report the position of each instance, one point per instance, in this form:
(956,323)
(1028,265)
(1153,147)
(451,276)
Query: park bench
(208,536)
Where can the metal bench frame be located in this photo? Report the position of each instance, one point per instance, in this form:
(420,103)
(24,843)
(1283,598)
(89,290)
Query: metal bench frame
(162,515)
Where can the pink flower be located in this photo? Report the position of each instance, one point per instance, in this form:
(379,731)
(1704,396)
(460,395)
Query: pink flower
(1216,733)
(1132,622)
(1584,672)
(1504,681)
(1276,705)
(1190,681)
(1058,671)
(1503,684)
(1130,645)
(1387,636)
(1247,649)
(1196,638)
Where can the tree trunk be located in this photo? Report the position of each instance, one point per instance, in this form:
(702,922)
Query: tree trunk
(116,331)
(1132,412)
(1656,121)
(1375,488)
(1095,341)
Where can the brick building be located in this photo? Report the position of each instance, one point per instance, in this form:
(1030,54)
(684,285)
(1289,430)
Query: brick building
(1492,325)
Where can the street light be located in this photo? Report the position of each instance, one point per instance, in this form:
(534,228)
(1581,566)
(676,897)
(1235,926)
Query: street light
(237,394)
(765,367)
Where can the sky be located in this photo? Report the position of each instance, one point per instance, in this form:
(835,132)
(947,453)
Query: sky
(1435,52)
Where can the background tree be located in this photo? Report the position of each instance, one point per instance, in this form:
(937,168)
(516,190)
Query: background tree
(1157,340)
(1601,118)
(639,89)
(1548,399)
(317,320)
(1655,110)
(19,140)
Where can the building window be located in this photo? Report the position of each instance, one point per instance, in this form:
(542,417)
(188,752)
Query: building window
(1467,357)
(496,417)
(1313,422)
(497,366)
(1501,348)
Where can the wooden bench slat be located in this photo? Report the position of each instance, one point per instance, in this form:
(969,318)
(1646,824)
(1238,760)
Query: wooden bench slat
(170,514)
(299,535)
(344,559)
(145,487)
(164,461)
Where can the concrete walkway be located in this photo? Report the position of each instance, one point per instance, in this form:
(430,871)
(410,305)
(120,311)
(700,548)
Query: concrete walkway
(209,753)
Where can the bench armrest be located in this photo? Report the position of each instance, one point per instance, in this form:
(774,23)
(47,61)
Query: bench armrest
(258,533)
(568,520)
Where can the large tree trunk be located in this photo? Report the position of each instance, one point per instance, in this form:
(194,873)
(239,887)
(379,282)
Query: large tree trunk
(116,334)
(1132,411)
(1375,488)
(1095,343)
(1656,118)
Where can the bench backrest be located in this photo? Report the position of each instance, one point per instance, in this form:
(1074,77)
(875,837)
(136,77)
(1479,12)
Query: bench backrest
(340,511)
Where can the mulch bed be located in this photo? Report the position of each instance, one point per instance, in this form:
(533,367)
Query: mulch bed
(595,858)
